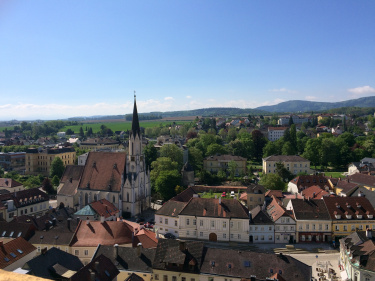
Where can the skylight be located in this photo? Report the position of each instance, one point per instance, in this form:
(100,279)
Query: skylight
(246,263)
(6,259)
(107,273)
(11,234)
(19,251)
(19,234)
(4,233)
(13,255)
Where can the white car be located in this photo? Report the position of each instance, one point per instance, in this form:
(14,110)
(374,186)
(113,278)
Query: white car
(232,194)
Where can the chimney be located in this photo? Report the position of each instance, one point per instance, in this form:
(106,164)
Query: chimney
(102,218)
(139,249)
(369,233)
(87,221)
(78,219)
(219,200)
(71,180)
(97,266)
(92,276)
(314,194)
(250,217)
(44,251)
(68,221)
(116,250)
(54,221)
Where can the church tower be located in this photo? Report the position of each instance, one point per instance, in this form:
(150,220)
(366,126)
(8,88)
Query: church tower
(137,187)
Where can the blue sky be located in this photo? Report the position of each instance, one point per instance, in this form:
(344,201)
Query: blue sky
(80,58)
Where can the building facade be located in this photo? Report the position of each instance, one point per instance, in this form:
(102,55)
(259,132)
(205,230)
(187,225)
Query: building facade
(218,163)
(293,163)
(275,133)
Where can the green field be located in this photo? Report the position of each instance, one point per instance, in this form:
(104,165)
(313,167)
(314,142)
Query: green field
(118,126)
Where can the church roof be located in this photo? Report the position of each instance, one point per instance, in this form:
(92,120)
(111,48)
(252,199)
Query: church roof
(103,171)
(135,122)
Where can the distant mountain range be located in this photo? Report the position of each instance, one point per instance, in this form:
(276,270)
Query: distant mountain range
(308,106)
(293,106)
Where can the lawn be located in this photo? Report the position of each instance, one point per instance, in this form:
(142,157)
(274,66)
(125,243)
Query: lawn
(335,174)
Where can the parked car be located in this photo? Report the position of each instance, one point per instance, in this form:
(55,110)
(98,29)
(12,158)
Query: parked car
(159,202)
(169,236)
(148,225)
(232,194)
(223,194)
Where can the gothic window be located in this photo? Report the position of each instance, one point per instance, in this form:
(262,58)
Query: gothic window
(95,197)
(114,199)
(127,197)
(86,199)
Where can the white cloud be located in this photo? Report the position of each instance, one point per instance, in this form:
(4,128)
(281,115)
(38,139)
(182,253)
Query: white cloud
(311,98)
(188,97)
(168,98)
(283,90)
(361,91)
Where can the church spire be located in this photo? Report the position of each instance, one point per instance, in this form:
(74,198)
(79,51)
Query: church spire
(135,122)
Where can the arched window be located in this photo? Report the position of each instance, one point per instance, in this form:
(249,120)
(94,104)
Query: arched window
(114,199)
(95,197)
(127,197)
(86,199)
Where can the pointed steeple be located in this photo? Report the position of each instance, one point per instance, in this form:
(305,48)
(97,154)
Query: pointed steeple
(135,122)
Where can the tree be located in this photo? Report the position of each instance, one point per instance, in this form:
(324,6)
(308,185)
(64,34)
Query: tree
(57,168)
(288,149)
(232,169)
(272,181)
(55,181)
(166,183)
(291,120)
(81,133)
(173,152)
(47,186)
(259,143)
(312,151)
(151,154)
(270,149)
(161,164)
(293,138)
(284,173)
(195,158)
(215,148)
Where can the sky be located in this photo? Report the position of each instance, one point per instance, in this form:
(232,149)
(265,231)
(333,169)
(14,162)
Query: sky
(61,59)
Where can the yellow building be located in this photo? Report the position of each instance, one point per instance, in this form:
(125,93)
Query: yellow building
(38,161)
(293,163)
(255,195)
(100,144)
(218,163)
(349,214)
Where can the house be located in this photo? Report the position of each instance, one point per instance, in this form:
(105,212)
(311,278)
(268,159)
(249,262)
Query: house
(293,163)
(255,195)
(366,165)
(366,181)
(128,261)
(12,230)
(349,214)
(345,188)
(53,264)
(314,192)
(74,141)
(218,163)
(82,159)
(357,255)
(39,161)
(100,144)
(285,224)
(15,253)
(178,258)
(11,185)
(364,192)
(101,268)
(98,209)
(300,183)
(13,161)
(221,264)
(205,219)
(69,183)
(275,133)
(261,226)
(61,134)
(284,121)
(313,222)
(28,201)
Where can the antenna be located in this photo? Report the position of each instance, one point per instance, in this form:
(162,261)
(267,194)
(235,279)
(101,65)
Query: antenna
(134,95)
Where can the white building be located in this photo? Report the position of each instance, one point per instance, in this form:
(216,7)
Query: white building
(261,228)
(204,219)
(275,133)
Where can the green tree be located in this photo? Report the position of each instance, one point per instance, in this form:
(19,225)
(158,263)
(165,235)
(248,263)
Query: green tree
(215,148)
(55,181)
(272,181)
(195,158)
(284,173)
(173,152)
(312,151)
(166,182)
(288,149)
(81,133)
(259,142)
(232,169)
(151,154)
(270,149)
(160,165)
(291,120)
(57,168)
(293,138)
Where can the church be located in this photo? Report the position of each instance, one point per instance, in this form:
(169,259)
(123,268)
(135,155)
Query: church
(119,177)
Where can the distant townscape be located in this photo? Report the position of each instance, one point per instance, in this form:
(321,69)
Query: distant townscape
(230,196)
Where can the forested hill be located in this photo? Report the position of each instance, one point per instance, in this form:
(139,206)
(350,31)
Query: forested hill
(213,111)
(307,106)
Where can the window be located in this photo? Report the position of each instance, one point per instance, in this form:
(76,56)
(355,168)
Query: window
(166,221)
(86,252)
(201,234)
(269,237)
(360,227)
(174,278)
(345,228)
(201,222)
(175,223)
(224,235)
(194,222)
(183,278)
(277,227)
(277,237)
(165,277)
(300,227)
(231,224)
(313,226)
(307,226)
(292,228)
(262,237)
(327,227)
(38,249)
(353,227)
(255,228)
(187,221)
(337,228)
(270,228)
(320,227)
(224,224)
(239,236)
(76,252)
(160,220)
(231,236)
(212,223)
(156,276)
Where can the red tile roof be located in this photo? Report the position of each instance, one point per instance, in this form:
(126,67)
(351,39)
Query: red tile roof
(310,180)
(363,179)
(9,252)
(347,187)
(276,193)
(103,171)
(352,206)
(147,238)
(276,211)
(104,208)
(314,192)
(6,182)
(92,233)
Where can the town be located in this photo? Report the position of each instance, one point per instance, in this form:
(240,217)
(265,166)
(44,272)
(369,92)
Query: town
(212,198)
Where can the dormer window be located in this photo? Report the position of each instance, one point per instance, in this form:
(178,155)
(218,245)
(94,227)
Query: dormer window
(370,216)
(348,216)
(359,216)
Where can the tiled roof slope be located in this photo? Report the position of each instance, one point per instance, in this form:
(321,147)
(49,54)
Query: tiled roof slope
(185,195)
(134,277)
(43,264)
(70,180)
(310,180)
(352,206)
(276,211)
(103,171)
(17,229)
(171,208)
(226,157)
(25,197)
(104,208)
(314,192)
(243,264)
(285,158)
(313,209)
(92,233)
(126,258)
(347,186)
(101,268)
(260,216)
(7,182)
(146,237)
(13,251)
(186,254)
(363,179)
(209,207)
(364,192)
